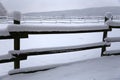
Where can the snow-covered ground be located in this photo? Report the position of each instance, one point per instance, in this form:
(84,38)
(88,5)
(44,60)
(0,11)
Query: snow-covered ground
(105,68)
(46,41)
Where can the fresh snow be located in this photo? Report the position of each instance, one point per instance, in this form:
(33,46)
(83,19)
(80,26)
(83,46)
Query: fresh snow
(6,57)
(4,30)
(4,33)
(112,52)
(57,49)
(49,28)
(36,69)
(105,68)
(112,39)
(113,23)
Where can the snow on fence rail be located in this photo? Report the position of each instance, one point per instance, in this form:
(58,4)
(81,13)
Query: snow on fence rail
(18,31)
(112,52)
(57,28)
(62,19)
(6,58)
(55,50)
(112,39)
(57,19)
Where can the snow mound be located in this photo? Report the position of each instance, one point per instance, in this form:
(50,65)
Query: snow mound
(113,23)
(4,33)
(105,68)
(35,69)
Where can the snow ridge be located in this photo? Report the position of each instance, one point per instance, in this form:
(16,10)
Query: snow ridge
(105,68)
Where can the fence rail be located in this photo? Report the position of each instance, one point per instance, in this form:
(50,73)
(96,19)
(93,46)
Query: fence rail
(57,19)
(18,31)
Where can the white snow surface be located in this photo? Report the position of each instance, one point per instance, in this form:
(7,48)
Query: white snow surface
(38,68)
(113,23)
(4,33)
(6,56)
(112,52)
(104,68)
(48,28)
(4,30)
(112,39)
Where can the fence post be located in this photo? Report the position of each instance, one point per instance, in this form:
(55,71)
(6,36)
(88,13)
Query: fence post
(17,18)
(105,33)
(108,16)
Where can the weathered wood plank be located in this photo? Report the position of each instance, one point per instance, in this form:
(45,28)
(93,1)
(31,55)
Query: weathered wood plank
(117,27)
(6,60)
(67,32)
(5,37)
(105,33)
(10,58)
(19,35)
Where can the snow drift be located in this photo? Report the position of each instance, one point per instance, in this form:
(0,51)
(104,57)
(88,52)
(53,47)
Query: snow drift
(105,68)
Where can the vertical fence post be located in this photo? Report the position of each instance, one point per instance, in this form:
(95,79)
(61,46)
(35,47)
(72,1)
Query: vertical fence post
(108,16)
(16,18)
(105,33)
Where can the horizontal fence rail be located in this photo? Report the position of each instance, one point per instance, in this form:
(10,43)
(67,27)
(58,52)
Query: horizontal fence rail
(55,50)
(56,19)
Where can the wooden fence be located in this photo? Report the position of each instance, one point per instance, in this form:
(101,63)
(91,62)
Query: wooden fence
(18,31)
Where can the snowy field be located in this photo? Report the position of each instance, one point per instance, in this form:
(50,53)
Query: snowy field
(79,65)
(105,68)
(53,40)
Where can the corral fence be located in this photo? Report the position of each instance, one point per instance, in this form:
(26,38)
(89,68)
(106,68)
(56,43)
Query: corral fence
(56,19)
(18,31)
